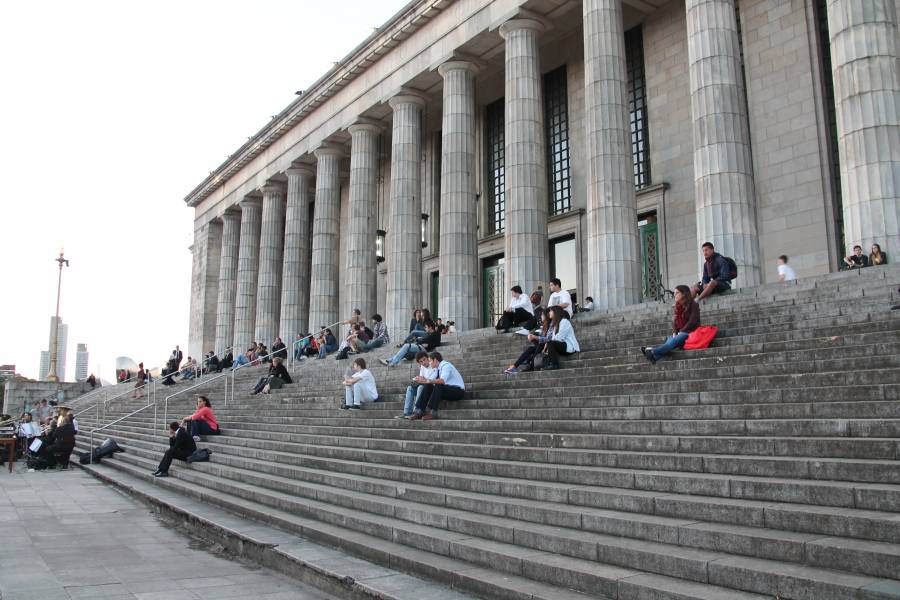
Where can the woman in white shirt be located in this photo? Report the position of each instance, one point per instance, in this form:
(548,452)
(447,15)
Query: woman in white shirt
(519,311)
(360,387)
(562,338)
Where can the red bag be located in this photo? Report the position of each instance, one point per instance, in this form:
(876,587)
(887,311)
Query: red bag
(701,337)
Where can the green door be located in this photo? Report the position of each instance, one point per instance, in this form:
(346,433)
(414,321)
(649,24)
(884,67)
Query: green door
(435,283)
(652,279)
(492,280)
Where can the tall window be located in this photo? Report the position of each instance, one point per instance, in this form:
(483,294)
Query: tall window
(495,155)
(556,118)
(637,106)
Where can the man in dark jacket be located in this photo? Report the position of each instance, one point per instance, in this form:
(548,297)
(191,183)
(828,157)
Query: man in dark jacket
(181,445)
(716,274)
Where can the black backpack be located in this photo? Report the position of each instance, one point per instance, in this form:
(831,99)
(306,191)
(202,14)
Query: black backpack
(732,268)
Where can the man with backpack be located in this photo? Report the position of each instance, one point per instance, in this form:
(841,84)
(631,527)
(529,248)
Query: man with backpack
(718,271)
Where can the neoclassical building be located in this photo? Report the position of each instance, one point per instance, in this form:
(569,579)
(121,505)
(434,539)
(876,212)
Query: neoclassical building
(470,145)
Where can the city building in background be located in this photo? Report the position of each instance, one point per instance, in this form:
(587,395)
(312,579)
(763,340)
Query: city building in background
(81,362)
(61,346)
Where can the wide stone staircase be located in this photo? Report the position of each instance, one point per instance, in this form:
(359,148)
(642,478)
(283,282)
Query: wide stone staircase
(767,466)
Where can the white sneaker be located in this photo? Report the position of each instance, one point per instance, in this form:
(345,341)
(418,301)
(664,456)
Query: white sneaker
(196,438)
(385,362)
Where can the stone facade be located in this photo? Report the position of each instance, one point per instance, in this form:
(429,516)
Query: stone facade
(738,144)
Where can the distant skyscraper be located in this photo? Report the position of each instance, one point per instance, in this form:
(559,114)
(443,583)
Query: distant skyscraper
(60,352)
(81,362)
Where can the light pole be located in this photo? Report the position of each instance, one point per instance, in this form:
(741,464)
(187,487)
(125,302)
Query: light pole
(54,337)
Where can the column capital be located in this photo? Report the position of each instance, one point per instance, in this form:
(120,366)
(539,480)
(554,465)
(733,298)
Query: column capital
(366,125)
(407,96)
(272,187)
(231,214)
(517,23)
(458,65)
(330,149)
(250,202)
(301,170)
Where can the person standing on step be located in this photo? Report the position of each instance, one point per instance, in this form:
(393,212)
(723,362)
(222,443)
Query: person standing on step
(203,421)
(559,297)
(141,381)
(716,276)
(414,390)
(785,271)
(360,387)
(686,319)
(181,445)
(428,343)
(447,385)
(562,340)
(520,310)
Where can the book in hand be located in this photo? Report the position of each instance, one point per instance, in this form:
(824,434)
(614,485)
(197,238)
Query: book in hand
(523,331)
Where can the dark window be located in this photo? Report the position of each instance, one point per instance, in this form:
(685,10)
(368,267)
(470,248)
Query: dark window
(637,106)
(495,155)
(556,118)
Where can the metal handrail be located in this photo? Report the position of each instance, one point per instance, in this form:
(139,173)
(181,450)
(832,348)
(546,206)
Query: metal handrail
(108,425)
(196,385)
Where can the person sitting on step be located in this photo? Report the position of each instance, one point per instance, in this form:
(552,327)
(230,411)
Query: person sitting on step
(559,297)
(327,343)
(360,387)
(275,379)
(226,362)
(181,445)
(279,349)
(857,260)
(203,421)
(428,343)
(447,385)
(414,390)
(536,342)
(417,328)
(562,340)
(686,319)
(785,271)
(519,311)
(212,363)
(877,257)
(588,305)
(380,336)
(716,274)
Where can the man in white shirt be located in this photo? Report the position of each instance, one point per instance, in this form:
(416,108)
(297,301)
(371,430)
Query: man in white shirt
(447,385)
(360,387)
(785,273)
(520,311)
(414,390)
(559,297)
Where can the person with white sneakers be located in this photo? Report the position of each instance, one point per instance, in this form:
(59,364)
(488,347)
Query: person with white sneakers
(360,387)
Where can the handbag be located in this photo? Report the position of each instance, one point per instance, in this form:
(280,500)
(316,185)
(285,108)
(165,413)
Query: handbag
(701,337)
(199,455)
(539,361)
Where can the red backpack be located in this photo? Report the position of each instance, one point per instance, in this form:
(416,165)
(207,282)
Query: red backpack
(701,337)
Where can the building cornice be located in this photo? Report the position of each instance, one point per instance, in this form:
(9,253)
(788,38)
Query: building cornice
(399,27)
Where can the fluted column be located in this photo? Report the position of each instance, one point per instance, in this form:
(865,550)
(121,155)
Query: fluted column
(228,267)
(247,275)
(865,59)
(526,158)
(458,294)
(295,270)
(323,286)
(404,248)
(271,251)
(723,176)
(614,260)
(361,227)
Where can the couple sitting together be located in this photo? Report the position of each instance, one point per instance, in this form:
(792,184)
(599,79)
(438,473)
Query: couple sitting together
(554,338)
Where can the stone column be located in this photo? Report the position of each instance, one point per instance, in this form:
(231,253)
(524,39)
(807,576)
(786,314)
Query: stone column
(271,252)
(323,286)
(458,295)
(526,157)
(247,275)
(865,59)
(362,205)
(204,288)
(231,235)
(723,175)
(404,247)
(295,272)
(613,243)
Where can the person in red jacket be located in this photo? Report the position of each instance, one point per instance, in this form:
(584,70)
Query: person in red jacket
(203,421)
(686,320)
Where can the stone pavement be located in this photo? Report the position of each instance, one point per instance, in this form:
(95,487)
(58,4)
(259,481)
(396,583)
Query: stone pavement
(66,535)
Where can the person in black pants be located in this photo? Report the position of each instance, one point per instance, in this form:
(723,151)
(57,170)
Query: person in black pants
(181,445)
(448,385)
(520,310)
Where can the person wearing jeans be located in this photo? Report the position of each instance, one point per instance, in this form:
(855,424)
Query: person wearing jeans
(417,386)
(428,343)
(686,320)
(448,385)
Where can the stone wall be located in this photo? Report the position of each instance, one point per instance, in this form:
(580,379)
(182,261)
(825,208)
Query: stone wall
(19,394)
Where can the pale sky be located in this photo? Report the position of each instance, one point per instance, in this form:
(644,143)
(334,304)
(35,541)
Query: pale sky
(110,113)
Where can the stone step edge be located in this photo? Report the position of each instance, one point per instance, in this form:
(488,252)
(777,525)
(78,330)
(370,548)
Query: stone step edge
(819,575)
